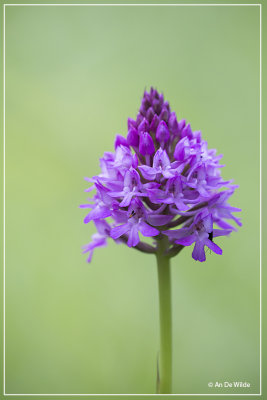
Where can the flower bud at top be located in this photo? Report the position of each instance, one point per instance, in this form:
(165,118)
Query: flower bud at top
(154,93)
(197,136)
(150,114)
(139,119)
(131,123)
(182,149)
(154,123)
(164,114)
(133,137)
(146,144)
(173,124)
(181,125)
(187,131)
(144,126)
(166,105)
(120,140)
(162,134)
(145,104)
(157,106)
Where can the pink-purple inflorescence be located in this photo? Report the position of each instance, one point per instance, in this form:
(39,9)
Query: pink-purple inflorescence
(161,181)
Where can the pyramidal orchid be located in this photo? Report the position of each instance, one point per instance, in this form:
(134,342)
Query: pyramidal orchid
(161,182)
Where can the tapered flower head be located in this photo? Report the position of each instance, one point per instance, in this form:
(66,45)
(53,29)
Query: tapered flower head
(162,180)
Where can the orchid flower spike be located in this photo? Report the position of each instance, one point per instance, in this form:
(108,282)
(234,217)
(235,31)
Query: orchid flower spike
(161,181)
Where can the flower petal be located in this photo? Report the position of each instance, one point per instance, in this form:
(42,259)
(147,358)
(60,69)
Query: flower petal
(199,252)
(177,233)
(120,230)
(221,232)
(208,223)
(127,199)
(96,213)
(133,239)
(147,230)
(216,249)
(158,219)
(148,172)
(186,241)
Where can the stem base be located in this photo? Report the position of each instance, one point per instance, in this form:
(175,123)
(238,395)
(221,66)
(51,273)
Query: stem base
(164,379)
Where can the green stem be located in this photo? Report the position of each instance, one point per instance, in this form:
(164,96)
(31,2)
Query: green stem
(164,383)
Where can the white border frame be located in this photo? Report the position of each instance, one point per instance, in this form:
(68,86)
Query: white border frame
(4,95)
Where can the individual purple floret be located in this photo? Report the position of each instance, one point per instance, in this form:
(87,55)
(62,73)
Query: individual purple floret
(200,232)
(161,176)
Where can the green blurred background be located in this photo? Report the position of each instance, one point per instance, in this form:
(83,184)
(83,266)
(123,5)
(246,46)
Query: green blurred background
(73,76)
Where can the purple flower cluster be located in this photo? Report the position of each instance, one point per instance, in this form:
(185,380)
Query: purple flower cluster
(161,176)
